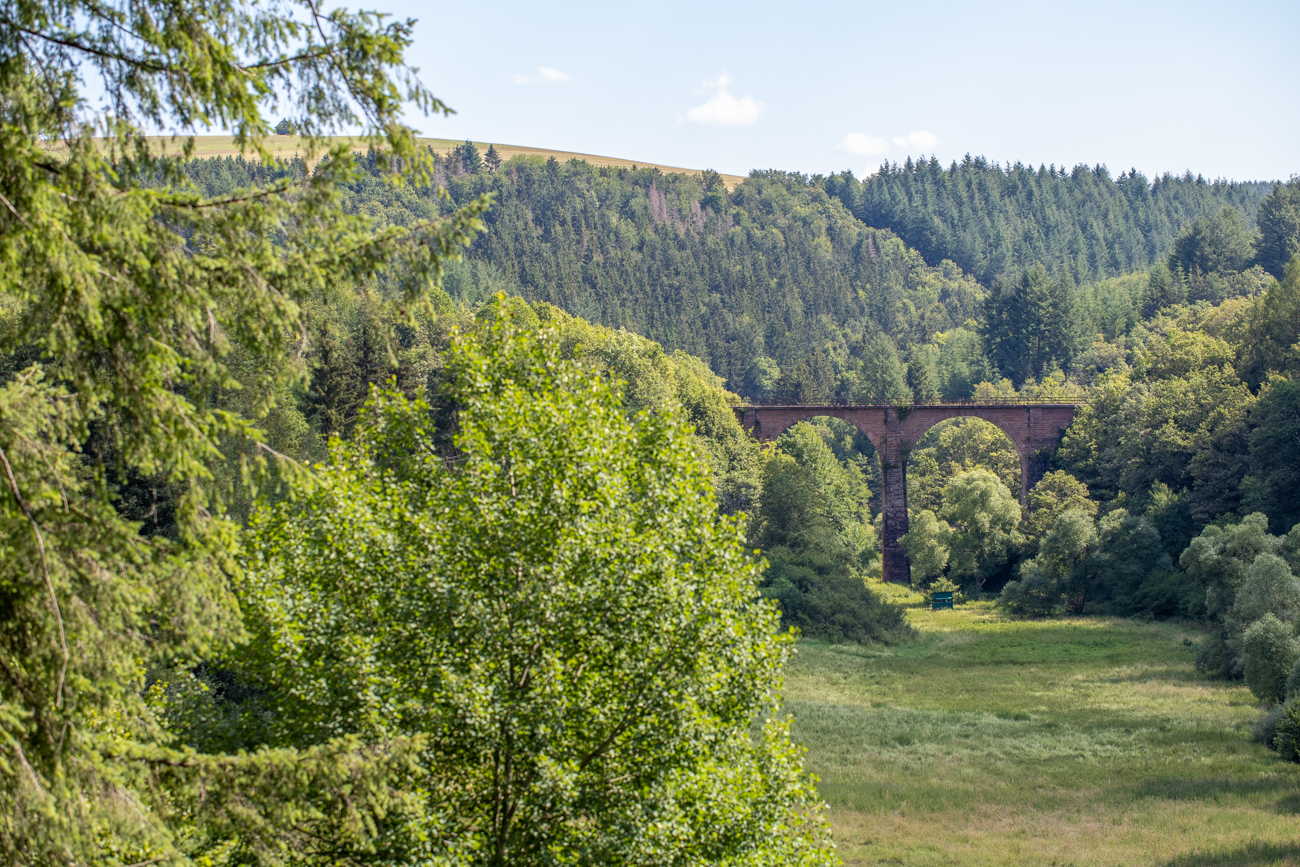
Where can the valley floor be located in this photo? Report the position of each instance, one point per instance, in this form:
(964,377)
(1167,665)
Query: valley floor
(1087,741)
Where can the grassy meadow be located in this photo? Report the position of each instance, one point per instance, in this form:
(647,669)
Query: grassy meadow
(1079,741)
(287,146)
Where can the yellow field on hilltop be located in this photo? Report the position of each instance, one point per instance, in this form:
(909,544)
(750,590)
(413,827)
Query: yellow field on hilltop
(1087,741)
(288,145)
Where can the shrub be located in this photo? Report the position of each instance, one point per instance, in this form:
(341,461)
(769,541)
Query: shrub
(1265,729)
(823,598)
(1215,657)
(1286,739)
(1269,651)
(1293,679)
(927,547)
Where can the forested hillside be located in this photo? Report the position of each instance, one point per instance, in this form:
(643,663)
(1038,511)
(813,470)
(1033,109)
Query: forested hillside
(784,292)
(991,219)
(753,282)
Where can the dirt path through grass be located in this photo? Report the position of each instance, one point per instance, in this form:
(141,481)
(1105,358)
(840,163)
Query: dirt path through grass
(1083,741)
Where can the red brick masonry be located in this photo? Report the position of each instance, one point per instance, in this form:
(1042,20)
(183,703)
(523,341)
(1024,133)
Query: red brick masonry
(1035,429)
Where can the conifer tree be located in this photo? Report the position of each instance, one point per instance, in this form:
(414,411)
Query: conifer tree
(127,296)
(1027,326)
(492,159)
(1279,228)
(468,157)
(882,377)
(1213,244)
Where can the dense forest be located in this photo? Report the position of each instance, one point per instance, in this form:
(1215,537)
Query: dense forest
(991,219)
(1189,427)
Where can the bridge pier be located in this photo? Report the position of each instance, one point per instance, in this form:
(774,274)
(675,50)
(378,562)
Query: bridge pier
(893,524)
(1034,429)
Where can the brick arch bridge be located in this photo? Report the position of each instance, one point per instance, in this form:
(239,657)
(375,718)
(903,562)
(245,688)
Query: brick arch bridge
(1034,428)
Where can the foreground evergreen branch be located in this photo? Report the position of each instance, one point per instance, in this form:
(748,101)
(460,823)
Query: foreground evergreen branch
(124,293)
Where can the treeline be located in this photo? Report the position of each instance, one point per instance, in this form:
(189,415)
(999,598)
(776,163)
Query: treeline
(993,219)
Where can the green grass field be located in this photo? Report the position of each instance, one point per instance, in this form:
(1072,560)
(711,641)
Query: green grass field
(1082,741)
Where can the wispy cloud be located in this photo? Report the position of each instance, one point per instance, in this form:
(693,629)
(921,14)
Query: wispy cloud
(863,145)
(723,109)
(545,75)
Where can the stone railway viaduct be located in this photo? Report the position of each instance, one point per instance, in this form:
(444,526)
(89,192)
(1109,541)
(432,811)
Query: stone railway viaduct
(1034,428)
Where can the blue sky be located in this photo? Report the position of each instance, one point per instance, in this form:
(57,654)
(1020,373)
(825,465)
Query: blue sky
(818,86)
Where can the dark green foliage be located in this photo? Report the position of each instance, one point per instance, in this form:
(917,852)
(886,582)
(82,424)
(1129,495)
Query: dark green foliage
(1271,345)
(1274,481)
(1049,581)
(466,158)
(492,159)
(774,270)
(962,364)
(825,599)
(956,446)
(1026,326)
(1269,650)
(882,378)
(1264,729)
(1286,738)
(814,527)
(1279,228)
(1236,569)
(1221,242)
(286,127)
(1293,680)
(993,219)
(1164,289)
(1171,517)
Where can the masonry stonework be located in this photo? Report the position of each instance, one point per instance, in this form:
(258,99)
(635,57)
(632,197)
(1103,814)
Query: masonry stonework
(1034,429)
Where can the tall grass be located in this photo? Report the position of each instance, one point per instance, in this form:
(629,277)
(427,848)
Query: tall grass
(1083,741)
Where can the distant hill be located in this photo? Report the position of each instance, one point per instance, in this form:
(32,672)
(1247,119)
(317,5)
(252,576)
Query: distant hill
(288,146)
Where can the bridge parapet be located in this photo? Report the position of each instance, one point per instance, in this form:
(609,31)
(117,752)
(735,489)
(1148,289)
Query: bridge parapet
(1034,427)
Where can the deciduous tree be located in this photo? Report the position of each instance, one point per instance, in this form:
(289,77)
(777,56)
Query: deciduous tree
(556,610)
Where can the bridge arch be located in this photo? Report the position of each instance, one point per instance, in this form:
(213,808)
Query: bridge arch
(953,446)
(1034,428)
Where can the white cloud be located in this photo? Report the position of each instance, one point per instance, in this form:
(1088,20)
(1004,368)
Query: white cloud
(724,109)
(922,139)
(545,75)
(552,75)
(863,145)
